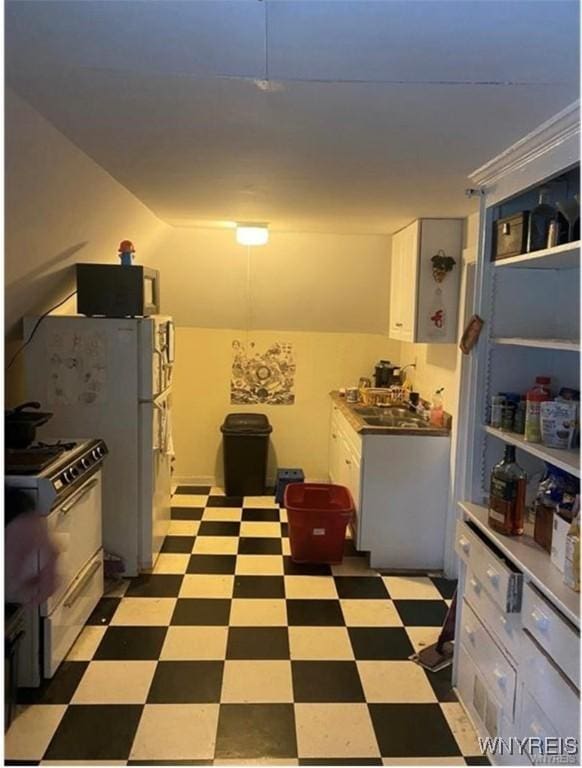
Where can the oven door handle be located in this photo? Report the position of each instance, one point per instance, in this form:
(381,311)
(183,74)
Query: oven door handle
(66,508)
(74,596)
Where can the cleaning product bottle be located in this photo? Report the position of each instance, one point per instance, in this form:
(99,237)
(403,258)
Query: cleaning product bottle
(537,395)
(436,410)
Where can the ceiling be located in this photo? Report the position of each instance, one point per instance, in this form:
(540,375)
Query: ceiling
(315,116)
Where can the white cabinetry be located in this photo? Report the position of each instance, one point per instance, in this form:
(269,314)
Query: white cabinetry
(423,300)
(399,484)
(526,681)
(345,459)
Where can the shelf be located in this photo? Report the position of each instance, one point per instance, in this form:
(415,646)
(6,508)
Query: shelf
(566,460)
(565,345)
(566,256)
(532,559)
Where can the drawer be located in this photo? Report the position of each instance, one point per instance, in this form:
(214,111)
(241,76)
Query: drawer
(474,694)
(61,628)
(495,667)
(545,683)
(505,626)
(499,577)
(555,634)
(534,721)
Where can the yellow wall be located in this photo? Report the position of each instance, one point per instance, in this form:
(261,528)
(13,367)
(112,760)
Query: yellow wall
(298,281)
(325,361)
(60,208)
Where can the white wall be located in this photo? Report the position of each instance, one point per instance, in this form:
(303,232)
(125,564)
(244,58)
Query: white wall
(61,208)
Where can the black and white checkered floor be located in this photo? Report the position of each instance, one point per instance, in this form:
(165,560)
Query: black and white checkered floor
(230,653)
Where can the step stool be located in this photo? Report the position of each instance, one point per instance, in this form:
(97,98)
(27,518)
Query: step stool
(284,477)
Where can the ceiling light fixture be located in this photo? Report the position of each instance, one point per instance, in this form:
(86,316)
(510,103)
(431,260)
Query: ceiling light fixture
(252,234)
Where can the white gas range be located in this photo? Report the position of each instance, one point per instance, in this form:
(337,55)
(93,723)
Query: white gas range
(63,479)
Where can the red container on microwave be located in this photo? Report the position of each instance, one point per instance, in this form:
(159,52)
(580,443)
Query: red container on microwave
(318,515)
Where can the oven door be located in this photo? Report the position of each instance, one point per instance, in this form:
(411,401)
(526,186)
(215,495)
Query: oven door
(75,528)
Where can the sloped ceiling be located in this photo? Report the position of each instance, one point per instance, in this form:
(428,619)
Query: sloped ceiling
(331,116)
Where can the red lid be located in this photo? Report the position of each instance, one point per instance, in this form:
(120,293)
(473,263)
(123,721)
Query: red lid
(543,379)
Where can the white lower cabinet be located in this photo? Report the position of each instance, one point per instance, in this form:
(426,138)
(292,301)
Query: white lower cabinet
(517,672)
(345,463)
(400,487)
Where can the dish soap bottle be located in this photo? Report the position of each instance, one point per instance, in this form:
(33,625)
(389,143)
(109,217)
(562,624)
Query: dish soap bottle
(507,495)
(437,414)
(537,395)
(539,222)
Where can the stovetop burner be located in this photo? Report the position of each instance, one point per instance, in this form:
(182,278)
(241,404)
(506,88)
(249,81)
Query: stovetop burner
(36,457)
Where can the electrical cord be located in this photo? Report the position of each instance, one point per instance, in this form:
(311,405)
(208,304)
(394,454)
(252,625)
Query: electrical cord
(35,329)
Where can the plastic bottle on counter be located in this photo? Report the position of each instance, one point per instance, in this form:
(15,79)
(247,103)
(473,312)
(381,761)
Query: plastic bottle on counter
(437,414)
(537,395)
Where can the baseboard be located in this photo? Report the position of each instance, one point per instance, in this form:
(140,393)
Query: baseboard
(193,480)
(208,480)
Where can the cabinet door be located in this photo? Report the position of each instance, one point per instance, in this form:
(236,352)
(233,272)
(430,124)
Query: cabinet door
(438,292)
(334,451)
(409,281)
(395,325)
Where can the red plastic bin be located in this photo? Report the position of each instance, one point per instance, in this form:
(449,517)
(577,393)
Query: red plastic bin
(318,515)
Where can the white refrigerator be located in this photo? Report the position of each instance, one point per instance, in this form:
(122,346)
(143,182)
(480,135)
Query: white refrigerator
(112,378)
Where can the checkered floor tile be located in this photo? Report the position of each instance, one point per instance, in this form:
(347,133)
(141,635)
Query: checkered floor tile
(228,652)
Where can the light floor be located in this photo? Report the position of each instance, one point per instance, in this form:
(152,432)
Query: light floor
(229,653)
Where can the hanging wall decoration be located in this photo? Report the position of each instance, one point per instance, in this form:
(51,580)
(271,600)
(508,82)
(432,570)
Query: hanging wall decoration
(442,265)
(266,378)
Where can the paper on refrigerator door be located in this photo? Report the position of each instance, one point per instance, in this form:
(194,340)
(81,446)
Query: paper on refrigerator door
(77,364)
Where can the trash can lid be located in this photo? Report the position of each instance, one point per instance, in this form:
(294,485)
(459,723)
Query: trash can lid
(246,424)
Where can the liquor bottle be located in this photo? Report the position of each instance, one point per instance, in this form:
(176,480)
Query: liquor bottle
(507,495)
(539,223)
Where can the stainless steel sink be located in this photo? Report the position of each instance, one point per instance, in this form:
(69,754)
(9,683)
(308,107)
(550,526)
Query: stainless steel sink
(367,410)
(398,422)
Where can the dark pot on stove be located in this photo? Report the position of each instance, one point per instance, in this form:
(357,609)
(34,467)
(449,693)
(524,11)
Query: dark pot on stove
(21,424)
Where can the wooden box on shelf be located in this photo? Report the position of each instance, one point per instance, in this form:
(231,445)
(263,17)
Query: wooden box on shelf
(510,236)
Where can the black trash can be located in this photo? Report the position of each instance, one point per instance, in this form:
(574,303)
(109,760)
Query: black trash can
(246,446)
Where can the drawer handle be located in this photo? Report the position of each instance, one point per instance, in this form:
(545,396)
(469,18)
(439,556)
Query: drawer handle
(500,677)
(493,576)
(334,436)
(542,622)
(464,544)
(475,584)
(398,325)
(79,589)
(348,461)
(470,634)
(65,509)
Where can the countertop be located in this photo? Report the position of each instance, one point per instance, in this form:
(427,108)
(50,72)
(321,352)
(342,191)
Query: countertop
(359,425)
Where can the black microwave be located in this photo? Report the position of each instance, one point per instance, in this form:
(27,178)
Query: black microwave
(116,290)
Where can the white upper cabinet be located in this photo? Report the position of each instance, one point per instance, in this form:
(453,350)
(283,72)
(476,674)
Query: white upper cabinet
(425,274)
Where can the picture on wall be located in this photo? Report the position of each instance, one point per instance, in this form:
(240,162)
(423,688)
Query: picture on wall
(266,378)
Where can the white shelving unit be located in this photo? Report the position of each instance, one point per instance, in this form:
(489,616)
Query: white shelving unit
(532,559)
(530,305)
(562,345)
(566,256)
(569,461)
